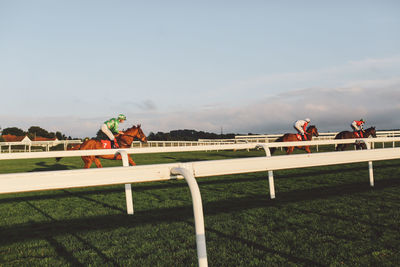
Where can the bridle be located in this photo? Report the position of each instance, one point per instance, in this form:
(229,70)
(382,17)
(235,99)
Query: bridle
(129,135)
(311,131)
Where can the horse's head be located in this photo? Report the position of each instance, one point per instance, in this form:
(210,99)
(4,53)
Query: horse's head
(136,131)
(142,137)
(370,131)
(313,130)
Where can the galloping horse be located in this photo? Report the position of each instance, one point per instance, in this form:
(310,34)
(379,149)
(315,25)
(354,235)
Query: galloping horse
(124,141)
(352,135)
(288,137)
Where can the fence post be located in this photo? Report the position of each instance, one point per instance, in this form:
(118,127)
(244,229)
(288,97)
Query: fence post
(270,173)
(198,213)
(370,167)
(128,187)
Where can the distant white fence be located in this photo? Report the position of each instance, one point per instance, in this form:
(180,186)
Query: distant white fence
(26,146)
(266,138)
(239,139)
(48,180)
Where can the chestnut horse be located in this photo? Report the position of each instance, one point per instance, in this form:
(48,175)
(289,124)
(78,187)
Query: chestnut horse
(124,141)
(351,135)
(288,137)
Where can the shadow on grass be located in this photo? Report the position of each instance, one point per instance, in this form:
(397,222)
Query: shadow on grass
(17,233)
(252,244)
(61,250)
(44,166)
(211,156)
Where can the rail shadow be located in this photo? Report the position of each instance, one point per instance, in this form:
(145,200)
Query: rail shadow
(44,166)
(21,232)
(262,247)
(61,250)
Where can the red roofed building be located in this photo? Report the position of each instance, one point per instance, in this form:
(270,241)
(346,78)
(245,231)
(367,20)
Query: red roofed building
(13,138)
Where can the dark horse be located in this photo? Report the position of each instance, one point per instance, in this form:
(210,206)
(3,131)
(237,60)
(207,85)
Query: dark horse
(288,137)
(351,135)
(124,141)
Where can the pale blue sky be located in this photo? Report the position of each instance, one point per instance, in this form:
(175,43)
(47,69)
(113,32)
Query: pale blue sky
(246,66)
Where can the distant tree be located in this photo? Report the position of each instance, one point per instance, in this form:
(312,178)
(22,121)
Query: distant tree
(186,135)
(38,131)
(101,135)
(14,131)
(59,135)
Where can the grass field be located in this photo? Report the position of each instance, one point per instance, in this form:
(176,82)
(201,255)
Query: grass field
(325,216)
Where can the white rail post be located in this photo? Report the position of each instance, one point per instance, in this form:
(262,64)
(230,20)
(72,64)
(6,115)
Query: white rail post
(198,213)
(370,167)
(128,187)
(270,173)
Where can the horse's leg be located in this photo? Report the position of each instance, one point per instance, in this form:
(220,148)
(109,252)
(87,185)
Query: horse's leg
(131,162)
(87,161)
(289,150)
(307,148)
(97,162)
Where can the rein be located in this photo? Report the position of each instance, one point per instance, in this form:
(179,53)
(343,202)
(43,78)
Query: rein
(129,135)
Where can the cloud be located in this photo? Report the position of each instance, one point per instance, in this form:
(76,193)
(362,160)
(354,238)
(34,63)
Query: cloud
(331,109)
(331,105)
(352,72)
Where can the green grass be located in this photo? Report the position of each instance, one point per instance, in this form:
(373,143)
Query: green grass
(325,216)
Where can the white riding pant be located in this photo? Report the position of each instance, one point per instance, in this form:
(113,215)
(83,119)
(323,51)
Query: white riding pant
(299,128)
(107,131)
(355,127)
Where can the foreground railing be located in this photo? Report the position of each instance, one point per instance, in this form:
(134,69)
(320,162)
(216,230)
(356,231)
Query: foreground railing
(49,180)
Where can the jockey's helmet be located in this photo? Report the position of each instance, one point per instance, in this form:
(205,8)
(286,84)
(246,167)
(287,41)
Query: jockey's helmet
(121,117)
(307,120)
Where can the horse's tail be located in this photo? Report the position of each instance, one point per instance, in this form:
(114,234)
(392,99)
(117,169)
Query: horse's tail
(75,147)
(272,149)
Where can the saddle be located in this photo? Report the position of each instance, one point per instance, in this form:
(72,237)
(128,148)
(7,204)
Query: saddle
(299,137)
(358,134)
(106,144)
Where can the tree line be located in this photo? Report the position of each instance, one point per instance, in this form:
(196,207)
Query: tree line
(175,135)
(186,135)
(34,131)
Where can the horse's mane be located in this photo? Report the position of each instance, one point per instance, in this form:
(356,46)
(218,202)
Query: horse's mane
(133,127)
(310,126)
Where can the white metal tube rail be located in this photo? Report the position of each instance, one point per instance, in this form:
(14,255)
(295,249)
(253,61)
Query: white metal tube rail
(144,150)
(21,182)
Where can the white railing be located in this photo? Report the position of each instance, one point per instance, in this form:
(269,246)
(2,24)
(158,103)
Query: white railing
(322,136)
(27,145)
(201,142)
(48,180)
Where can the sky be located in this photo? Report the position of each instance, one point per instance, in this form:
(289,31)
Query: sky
(231,66)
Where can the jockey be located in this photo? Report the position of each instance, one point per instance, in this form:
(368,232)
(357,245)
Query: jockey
(357,126)
(110,128)
(301,126)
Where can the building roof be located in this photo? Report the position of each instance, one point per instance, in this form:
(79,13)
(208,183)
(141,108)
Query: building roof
(12,138)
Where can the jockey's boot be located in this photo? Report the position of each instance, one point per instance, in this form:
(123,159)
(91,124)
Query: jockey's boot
(115,143)
(303,136)
(112,144)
